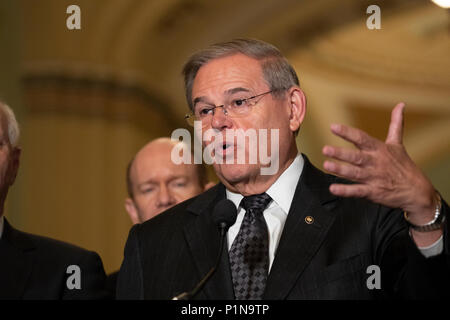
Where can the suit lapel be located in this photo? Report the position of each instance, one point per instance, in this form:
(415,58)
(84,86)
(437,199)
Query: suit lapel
(298,244)
(203,241)
(300,240)
(16,262)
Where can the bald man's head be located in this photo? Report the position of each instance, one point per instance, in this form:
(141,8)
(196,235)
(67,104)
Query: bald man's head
(155,183)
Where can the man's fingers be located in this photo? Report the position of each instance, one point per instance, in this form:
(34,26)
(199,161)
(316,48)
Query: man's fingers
(350,190)
(346,171)
(358,137)
(355,157)
(395,133)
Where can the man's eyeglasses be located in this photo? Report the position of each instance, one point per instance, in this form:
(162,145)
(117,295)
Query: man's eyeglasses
(233,108)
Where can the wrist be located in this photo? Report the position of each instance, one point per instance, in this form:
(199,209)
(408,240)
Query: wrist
(427,222)
(423,209)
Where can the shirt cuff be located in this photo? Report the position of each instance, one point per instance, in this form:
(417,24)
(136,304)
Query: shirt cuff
(433,249)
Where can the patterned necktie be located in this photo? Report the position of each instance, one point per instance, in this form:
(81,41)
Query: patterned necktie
(249,254)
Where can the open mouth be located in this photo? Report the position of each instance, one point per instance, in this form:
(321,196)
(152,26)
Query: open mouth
(224,149)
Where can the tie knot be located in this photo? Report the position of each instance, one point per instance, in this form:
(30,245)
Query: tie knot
(257,202)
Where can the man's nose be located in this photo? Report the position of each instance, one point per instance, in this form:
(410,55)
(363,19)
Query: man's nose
(165,197)
(220,120)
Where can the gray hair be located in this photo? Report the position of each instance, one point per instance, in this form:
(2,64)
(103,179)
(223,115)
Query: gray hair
(277,71)
(13,126)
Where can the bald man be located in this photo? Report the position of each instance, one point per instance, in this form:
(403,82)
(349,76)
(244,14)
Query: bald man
(155,183)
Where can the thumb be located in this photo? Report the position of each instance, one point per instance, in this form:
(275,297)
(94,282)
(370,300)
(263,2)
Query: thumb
(395,134)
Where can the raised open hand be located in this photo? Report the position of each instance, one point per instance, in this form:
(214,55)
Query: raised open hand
(383,171)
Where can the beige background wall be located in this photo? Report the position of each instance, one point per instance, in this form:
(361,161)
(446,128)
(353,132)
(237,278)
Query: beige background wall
(88,99)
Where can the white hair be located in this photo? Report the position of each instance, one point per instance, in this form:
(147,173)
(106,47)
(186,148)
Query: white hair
(13,126)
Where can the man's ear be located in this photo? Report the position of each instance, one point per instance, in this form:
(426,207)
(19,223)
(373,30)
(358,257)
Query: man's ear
(297,103)
(132,211)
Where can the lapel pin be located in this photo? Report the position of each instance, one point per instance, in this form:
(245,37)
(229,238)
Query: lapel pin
(309,220)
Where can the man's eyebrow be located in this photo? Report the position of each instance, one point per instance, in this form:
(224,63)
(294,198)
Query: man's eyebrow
(236,90)
(147,182)
(227,92)
(199,99)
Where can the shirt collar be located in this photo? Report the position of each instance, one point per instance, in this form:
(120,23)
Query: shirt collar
(283,189)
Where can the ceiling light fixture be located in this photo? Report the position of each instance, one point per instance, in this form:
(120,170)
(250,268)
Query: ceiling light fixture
(442,3)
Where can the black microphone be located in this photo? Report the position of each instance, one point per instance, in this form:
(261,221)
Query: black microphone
(224,216)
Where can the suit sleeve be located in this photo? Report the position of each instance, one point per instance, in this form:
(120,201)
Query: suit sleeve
(92,276)
(130,280)
(406,273)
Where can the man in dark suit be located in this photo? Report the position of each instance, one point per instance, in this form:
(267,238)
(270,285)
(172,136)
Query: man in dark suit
(36,267)
(299,233)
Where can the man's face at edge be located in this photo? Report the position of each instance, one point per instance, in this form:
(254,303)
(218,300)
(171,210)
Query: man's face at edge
(9,161)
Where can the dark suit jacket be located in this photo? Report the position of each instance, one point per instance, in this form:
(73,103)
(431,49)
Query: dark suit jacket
(111,283)
(35,267)
(327,259)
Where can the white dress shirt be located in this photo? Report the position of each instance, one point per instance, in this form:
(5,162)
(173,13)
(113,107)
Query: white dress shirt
(282,193)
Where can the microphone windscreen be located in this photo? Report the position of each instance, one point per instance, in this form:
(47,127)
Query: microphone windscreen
(224,213)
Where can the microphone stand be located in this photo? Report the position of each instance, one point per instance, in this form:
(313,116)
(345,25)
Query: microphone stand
(193,292)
